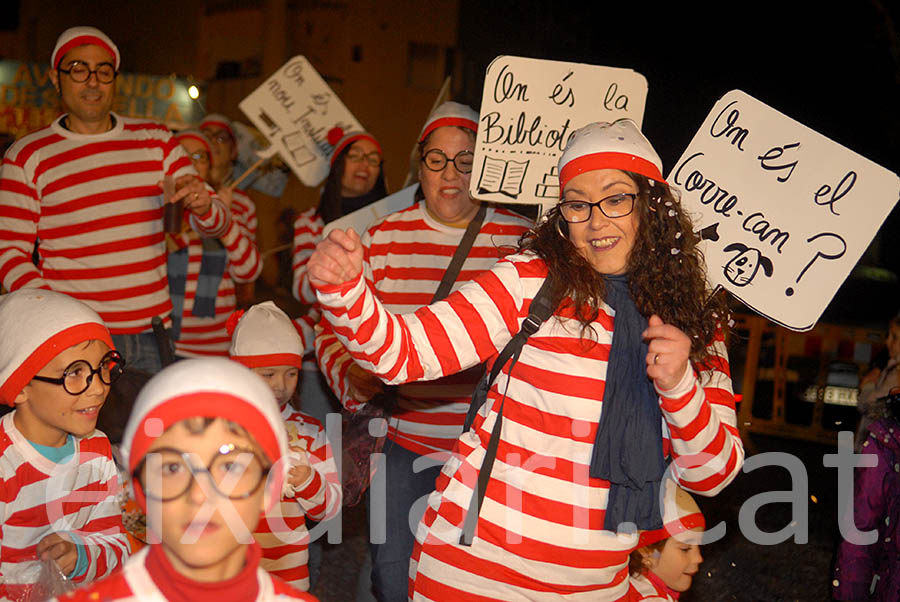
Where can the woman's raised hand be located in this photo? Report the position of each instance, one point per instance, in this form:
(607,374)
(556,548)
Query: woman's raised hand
(337,259)
(669,353)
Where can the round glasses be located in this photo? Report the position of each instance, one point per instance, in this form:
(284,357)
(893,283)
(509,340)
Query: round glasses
(80,72)
(617,205)
(436,160)
(166,474)
(373,158)
(220,136)
(200,157)
(79,375)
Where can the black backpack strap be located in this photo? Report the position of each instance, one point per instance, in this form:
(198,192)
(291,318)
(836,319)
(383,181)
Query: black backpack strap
(459,257)
(539,311)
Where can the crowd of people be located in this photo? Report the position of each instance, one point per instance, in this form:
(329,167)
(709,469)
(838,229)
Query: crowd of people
(552,390)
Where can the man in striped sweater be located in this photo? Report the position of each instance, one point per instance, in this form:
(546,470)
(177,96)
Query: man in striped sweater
(87,191)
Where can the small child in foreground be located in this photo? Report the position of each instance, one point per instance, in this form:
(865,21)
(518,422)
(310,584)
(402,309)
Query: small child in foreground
(205,446)
(58,481)
(666,559)
(265,340)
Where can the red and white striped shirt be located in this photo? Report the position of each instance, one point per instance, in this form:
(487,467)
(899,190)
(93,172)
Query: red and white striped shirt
(92,204)
(406,255)
(540,530)
(207,336)
(39,497)
(282,533)
(307,234)
(643,589)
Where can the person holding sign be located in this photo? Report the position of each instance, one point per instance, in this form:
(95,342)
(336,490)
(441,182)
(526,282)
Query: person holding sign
(356,179)
(442,241)
(204,273)
(628,373)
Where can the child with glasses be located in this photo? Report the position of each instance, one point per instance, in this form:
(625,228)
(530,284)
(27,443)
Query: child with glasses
(58,481)
(205,447)
(265,340)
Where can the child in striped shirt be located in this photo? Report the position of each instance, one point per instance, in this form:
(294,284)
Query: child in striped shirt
(265,340)
(58,481)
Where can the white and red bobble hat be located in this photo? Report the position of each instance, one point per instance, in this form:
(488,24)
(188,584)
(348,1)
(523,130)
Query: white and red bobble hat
(217,120)
(265,336)
(198,136)
(680,514)
(450,113)
(618,145)
(35,326)
(341,140)
(212,388)
(83,36)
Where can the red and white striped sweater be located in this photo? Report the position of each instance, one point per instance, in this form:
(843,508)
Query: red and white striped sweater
(539,532)
(282,533)
(93,205)
(307,234)
(207,336)
(39,497)
(406,255)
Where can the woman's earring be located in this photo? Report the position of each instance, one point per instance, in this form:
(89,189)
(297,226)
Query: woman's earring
(559,228)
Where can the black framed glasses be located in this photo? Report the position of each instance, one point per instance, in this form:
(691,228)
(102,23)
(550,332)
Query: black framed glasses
(79,375)
(436,160)
(617,205)
(218,136)
(80,72)
(199,156)
(373,158)
(166,474)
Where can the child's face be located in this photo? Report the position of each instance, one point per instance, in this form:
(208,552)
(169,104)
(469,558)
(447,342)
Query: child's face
(678,561)
(46,412)
(281,379)
(204,533)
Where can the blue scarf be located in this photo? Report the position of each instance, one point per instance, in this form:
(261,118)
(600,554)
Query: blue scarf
(212,269)
(628,448)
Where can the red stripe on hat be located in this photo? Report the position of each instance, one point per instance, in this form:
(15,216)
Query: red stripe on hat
(220,124)
(445,121)
(198,138)
(342,145)
(670,529)
(608,160)
(84,40)
(270,359)
(48,350)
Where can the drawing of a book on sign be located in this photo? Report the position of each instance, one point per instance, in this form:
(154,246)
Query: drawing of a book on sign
(295,143)
(549,186)
(502,176)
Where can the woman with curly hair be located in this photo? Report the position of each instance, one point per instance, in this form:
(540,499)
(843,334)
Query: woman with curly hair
(628,374)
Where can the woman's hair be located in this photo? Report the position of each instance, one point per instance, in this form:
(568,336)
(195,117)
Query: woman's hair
(331,201)
(420,151)
(665,267)
(637,563)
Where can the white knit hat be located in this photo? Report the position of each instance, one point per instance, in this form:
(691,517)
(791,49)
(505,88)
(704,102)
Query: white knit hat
(208,387)
(450,113)
(341,140)
(266,336)
(601,145)
(217,120)
(35,326)
(83,36)
(680,514)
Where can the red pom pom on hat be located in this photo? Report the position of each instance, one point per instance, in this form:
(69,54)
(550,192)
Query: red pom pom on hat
(334,135)
(232,321)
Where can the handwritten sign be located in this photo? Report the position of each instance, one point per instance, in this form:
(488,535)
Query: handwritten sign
(786,212)
(529,110)
(361,219)
(295,109)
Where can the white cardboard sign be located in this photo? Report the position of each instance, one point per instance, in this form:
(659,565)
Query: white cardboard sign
(529,110)
(361,219)
(790,212)
(295,109)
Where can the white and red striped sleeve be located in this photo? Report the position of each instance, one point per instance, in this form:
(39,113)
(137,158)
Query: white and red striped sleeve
(244,262)
(245,208)
(320,496)
(702,424)
(334,360)
(20,213)
(307,233)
